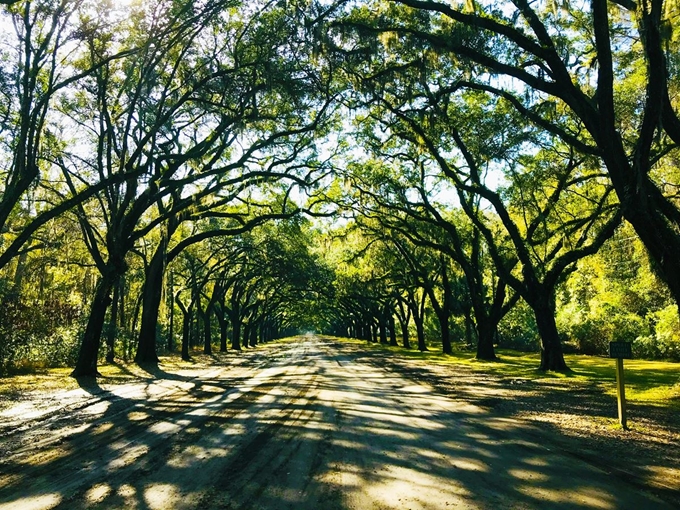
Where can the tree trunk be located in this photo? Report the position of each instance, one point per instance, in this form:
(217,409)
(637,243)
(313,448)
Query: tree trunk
(405,341)
(393,331)
(447,348)
(152,294)
(236,333)
(383,330)
(186,334)
(207,331)
(197,333)
(485,349)
(122,313)
(246,334)
(113,326)
(171,326)
(186,326)
(223,330)
(86,366)
(552,357)
(447,304)
(253,335)
(19,272)
(136,317)
(420,333)
(404,316)
(469,327)
(442,312)
(418,313)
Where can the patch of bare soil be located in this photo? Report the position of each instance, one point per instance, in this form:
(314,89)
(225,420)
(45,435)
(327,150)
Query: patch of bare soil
(580,417)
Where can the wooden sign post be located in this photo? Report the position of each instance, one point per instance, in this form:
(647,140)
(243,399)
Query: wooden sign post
(621,350)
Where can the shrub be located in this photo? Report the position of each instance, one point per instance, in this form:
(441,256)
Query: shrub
(518,329)
(665,342)
(38,335)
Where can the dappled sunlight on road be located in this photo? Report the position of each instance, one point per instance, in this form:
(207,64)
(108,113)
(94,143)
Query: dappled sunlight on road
(33,502)
(310,428)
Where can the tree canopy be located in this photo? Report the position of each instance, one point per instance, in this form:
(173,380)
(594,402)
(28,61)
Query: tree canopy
(180,173)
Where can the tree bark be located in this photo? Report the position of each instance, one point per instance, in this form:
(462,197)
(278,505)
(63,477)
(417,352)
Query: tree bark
(404,316)
(420,332)
(113,326)
(485,349)
(393,331)
(253,335)
(152,294)
(418,313)
(442,311)
(186,334)
(382,326)
(236,333)
(224,325)
(405,341)
(447,348)
(186,326)
(207,331)
(171,326)
(86,366)
(552,357)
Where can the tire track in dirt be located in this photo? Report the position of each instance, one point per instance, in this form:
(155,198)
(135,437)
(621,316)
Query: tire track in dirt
(70,462)
(317,427)
(51,425)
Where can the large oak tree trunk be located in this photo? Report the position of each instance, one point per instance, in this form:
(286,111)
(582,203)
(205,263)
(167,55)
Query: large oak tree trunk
(447,348)
(253,335)
(420,332)
(405,341)
(236,333)
(152,294)
(382,328)
(442,311)
(186,334)
(552,357)
(404,316)
(485,349)
(246,334)
(224,330)
(657,232)
(207,331)
(186,326)
(86,366)
(393,331)
(113,326)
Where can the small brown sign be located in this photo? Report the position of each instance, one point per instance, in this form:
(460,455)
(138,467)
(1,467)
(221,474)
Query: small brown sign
(620,350)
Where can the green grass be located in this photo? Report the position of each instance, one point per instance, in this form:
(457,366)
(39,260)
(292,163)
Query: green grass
(647,382)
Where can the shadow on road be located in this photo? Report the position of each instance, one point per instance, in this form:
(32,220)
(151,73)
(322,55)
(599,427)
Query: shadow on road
(314,429)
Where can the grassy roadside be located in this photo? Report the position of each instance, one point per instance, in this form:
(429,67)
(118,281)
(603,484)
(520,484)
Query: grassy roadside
(38,379)
(647,382)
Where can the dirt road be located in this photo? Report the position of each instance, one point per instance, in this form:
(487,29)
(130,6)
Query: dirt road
(301,425)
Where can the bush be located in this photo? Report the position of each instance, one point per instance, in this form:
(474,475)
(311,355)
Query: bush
(590,333)
(518,329)
(665,342)
(37,336)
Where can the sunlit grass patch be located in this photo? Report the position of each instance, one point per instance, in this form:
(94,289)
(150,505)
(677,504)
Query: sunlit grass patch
(11,388)
(279,341)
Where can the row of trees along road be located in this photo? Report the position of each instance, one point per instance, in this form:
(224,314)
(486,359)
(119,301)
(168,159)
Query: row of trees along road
(559,95)
(137,120)
(156,159)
